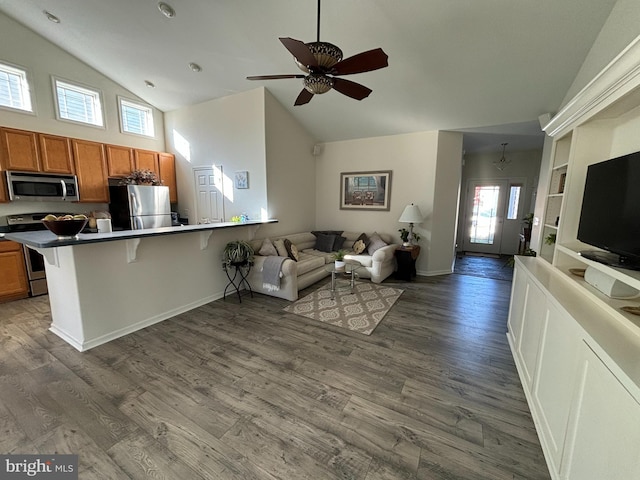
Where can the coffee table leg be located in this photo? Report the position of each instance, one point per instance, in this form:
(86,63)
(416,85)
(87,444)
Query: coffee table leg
(333,285)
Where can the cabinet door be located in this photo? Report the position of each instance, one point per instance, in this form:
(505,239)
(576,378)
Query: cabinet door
(119,160)
(4,195)
(604,432)
(535,313)
(146,160)
(167,164)
(91,171)
(516,306)
(556,375)
(19,150)
(55,154)
(13,273)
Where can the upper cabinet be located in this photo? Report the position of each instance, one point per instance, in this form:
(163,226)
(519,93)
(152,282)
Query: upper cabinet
(119,160)
(55,154)
(91,171)
(167,164)
(146,160)
(19,150)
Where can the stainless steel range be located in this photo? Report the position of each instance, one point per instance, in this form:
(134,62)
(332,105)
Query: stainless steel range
(33,260)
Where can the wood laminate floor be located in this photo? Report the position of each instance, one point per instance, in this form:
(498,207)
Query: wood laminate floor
(248,391)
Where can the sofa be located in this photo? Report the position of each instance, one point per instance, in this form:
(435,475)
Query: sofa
(314,251)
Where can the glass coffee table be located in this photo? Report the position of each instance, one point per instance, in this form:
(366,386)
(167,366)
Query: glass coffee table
(344,277)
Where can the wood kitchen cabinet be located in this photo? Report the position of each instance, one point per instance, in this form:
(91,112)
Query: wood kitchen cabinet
(19,150)
(13,273)
(146,160)
(167,165)
(55,154)
(119,160)
(91,169)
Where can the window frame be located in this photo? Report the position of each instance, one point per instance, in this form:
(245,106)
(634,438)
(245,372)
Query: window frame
(81,86)
(29,85)
(141,106)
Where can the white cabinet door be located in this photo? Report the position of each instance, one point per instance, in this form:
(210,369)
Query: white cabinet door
(604,431)
(535,313)
(555,380)
(516,307)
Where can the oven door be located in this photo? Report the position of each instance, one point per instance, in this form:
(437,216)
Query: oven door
(35,271)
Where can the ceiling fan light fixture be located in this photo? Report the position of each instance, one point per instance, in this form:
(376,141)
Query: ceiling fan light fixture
(502,162)
(325,53)
(318,84)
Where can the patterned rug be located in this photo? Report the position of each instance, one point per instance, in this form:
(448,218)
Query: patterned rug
(360,311)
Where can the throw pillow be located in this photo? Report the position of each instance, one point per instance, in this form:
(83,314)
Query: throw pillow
(338,242)
(282,251)
(292,250)
(358,247)
(324,243)
(376,244)
(364,239)
(267,249)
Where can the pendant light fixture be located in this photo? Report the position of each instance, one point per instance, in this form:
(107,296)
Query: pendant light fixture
(502,162)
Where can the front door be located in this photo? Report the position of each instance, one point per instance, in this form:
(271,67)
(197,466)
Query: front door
(484,215)
(209,199)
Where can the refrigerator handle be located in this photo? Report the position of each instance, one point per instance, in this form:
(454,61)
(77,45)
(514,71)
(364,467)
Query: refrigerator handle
(138,224)
(134,203)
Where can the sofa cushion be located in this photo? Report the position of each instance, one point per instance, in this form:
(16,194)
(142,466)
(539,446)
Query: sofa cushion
(325,242)
(292,250)
(267,248)
(358,247)
(375,244)
(308,262)
(338,242)
(365,239)
(279,244)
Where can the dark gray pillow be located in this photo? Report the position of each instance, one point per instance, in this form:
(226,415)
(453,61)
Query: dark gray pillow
(339,242)
(324,243)
(376,244)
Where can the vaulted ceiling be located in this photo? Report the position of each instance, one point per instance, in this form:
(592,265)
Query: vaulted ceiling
(488,67)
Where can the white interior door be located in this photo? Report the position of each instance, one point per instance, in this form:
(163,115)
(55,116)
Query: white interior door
(209,194)
(484,215)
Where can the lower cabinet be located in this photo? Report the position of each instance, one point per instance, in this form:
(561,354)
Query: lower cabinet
(13,273)
(585,409)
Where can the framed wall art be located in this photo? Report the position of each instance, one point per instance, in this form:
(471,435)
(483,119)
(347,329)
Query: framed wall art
(241,179)
(365,190)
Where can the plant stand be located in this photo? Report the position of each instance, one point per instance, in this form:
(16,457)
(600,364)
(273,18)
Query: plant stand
(237,275)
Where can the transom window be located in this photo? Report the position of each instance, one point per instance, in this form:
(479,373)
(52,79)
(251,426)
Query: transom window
(78,103)
(136,118)
(14,88)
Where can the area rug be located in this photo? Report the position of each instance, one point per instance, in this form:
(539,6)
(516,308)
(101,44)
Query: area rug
(360,311)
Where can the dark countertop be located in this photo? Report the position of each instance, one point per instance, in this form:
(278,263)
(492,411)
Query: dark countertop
(46,239)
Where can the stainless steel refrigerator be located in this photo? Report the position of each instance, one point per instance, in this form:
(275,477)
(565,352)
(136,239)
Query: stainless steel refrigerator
(136,207)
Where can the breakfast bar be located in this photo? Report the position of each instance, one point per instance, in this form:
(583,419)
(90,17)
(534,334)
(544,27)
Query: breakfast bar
(103,286)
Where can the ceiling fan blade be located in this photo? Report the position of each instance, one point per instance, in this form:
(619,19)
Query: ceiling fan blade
(351,89)
(362,62)
(274,77)
(299,50)
(304,97)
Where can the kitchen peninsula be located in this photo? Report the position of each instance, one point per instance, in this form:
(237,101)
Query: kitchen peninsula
(103,286)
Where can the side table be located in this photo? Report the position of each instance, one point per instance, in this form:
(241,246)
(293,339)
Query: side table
(406,258)
(239,278)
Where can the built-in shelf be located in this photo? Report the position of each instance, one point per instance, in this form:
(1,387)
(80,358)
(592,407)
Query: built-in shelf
(552,227)
(561,166)
(559,195)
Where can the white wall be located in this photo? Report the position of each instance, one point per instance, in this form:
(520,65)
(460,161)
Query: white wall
(524,168)
(23,47)
(413,159)
(620,29)
(230,132)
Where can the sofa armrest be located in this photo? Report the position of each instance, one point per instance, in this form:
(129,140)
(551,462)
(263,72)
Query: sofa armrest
(288,266)
(385,254)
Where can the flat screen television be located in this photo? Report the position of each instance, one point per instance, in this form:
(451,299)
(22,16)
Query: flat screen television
(610,216)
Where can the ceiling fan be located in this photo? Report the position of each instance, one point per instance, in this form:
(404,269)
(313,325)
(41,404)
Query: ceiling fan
(323,64)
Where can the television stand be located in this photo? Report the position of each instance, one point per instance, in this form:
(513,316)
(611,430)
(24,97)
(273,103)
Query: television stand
(611,259)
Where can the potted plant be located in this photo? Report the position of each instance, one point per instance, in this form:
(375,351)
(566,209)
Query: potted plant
(527,224)
(339,259)
(141,177)
(404,235)
(550,239)
(236,253)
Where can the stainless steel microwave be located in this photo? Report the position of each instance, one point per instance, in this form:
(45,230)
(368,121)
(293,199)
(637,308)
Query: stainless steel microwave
(42,187)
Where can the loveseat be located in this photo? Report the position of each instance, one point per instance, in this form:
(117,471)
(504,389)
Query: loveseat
(314,251)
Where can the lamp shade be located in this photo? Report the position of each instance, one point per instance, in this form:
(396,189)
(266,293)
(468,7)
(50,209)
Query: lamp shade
(411,214)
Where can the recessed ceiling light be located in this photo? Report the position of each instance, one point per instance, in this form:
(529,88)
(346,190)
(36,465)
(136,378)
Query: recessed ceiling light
(195,67)
(149,84)
(166,10)
(51,17)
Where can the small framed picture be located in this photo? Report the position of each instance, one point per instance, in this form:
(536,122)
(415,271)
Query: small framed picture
(241,179)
